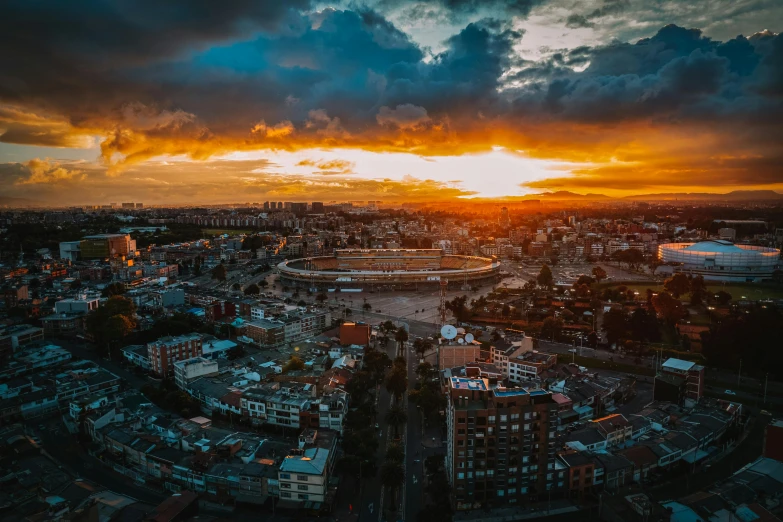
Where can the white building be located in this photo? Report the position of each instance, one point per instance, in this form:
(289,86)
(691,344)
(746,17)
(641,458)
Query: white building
(304,478)
(83,306)
(191,369)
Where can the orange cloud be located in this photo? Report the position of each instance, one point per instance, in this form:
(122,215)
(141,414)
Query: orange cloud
(49,172)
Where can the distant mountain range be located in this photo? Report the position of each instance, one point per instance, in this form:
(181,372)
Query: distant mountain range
(736,195)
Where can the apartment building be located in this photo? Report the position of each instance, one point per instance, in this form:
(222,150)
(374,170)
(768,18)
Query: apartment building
(519,362)
(692,373)
(304,477)
(164,352)
(189,370)
(500,443)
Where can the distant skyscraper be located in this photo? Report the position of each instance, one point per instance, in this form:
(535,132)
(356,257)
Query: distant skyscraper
(318,207)
(504,219)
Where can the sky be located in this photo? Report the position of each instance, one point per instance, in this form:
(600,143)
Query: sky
(192,102)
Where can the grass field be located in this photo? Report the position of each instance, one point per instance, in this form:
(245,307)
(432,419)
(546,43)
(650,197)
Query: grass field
(229,231)
(737,290)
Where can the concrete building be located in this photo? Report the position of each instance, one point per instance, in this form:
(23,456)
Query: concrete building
(304,477)
(500,443)
(692,373)
(79,306)
(164,352)
(191,369)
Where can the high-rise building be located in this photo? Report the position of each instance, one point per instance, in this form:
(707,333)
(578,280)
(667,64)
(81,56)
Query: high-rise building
(266,206)
(101,246)
(318,207)
(128,205)
(500,443)
(504,218)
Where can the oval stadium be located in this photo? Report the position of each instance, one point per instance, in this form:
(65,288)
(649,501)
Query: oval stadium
(721,260)
(387,269)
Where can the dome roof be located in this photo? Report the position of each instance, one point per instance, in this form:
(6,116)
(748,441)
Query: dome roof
(716,246)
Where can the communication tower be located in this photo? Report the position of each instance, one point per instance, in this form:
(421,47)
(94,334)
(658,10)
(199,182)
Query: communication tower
(444,283)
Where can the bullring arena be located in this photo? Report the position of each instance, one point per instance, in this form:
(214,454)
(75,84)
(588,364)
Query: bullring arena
(387,269)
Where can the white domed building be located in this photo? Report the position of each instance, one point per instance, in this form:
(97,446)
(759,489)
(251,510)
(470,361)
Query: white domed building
(720,260)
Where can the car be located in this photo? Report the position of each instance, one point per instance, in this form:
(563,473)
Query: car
(376,426)
(572,350)
(729,392)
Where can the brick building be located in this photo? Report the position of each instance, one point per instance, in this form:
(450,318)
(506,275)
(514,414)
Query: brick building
(164,352)
(500,443)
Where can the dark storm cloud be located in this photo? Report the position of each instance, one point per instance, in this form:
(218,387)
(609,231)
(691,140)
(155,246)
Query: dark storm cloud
(155,78)
(609,8)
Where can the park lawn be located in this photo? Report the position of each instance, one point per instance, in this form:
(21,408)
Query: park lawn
(229,231)
(752,291)
(590,362)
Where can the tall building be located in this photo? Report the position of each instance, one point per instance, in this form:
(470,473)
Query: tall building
(500,443)
(318,207)
(101,246)
(164,352)
(504,218)
(266,206)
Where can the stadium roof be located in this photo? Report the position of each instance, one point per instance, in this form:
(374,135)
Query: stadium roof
(718,246)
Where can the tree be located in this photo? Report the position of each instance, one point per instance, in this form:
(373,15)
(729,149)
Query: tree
(644,326)
(321,297)
(235,352)
(545,278)
(599,273)
(698,290)
(422,346)
(116,288)
(112,321)
(392,476)
(457,307)
(293,364)
(252,289)
(495,337)
(722,297)
(263,283)
(669,308)
(347,312)
(219,272)
(394,452)
(677,285)
(396,418)
(236,287)
(615,324)
(397,382)
(367,307)
(401,337)
(551,327)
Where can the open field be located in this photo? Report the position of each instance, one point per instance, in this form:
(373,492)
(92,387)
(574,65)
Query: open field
(737,290)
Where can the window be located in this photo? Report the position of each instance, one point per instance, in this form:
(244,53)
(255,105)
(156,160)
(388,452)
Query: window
(302,496)
(301,478)
(285,476)
(514,416)
(515,428)
(512,491)
(492,419)
(285,494)
(501,493)
(285,485)
(460,475)
(504,418)
(302,487)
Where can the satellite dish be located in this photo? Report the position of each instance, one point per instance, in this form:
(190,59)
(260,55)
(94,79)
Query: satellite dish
(461,340)
(448,331)
(469,338)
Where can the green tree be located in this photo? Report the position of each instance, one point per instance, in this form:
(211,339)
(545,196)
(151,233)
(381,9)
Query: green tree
(293,364)
(367,307)
(396,418)
(551,327)
(397,382)
(112,321)
(545,278)
(698,290)
(599,273)
(394,452)
(392,476)
(219,272)
(669,308)
(401,337)
(677,285)
(457,307)
(615,324)
(722,298)
(116,288)
(252,289)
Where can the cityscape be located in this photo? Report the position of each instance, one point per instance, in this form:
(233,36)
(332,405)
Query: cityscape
(391,261)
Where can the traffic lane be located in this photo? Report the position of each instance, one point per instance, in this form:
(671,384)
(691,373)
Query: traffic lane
(372,487)
(413,461)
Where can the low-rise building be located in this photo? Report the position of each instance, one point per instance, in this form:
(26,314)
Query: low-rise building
(189,370)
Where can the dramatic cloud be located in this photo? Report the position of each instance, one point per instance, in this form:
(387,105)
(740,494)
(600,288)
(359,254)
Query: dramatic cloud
(329,166)
(148,80)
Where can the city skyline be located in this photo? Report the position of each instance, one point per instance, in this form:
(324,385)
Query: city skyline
(388,100)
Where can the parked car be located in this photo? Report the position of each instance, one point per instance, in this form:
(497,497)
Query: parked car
(729,392)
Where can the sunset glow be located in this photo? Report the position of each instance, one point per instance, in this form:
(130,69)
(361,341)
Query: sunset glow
(390,100)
